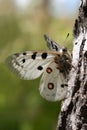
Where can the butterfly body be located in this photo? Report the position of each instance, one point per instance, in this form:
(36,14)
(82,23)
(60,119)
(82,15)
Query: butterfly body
(54,65)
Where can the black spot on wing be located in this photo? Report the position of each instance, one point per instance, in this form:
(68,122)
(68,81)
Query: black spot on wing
(64,85)
(34,55)
(24,53)
(44,55)
(76,43)
(23,60)
(39,67)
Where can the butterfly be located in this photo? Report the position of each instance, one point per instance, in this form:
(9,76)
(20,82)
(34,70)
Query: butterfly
(54,65)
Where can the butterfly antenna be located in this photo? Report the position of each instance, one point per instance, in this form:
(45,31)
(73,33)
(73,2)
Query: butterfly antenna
(66,38)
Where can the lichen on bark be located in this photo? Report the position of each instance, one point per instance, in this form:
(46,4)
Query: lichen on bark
(73,115)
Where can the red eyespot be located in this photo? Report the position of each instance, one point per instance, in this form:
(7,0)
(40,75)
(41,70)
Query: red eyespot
(49,70)
(50,86)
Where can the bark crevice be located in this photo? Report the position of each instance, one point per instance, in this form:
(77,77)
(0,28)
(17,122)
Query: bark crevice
(73,115)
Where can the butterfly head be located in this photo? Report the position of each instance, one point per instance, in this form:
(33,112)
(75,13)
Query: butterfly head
(63,60)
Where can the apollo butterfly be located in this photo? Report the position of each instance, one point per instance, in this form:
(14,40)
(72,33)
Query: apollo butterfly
(54,65)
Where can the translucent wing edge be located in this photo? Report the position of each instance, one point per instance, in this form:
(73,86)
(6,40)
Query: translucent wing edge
(52,45)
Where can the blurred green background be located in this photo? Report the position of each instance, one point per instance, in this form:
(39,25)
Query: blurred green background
(22,25)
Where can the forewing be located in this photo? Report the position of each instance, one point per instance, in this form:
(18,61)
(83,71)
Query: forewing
(29,64)
(53,84)
(52,45)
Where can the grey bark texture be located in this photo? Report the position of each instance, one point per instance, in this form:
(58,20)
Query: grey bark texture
(73,115)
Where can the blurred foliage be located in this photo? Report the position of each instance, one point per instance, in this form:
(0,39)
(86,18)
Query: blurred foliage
(8,24)
(21,106)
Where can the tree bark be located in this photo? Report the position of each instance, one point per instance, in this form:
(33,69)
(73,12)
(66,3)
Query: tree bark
(73,115)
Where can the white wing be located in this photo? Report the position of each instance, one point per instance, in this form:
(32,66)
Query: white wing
(30,64)
(53,85)
(52,45)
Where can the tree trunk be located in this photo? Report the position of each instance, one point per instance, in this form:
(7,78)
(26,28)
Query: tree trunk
(73,115)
